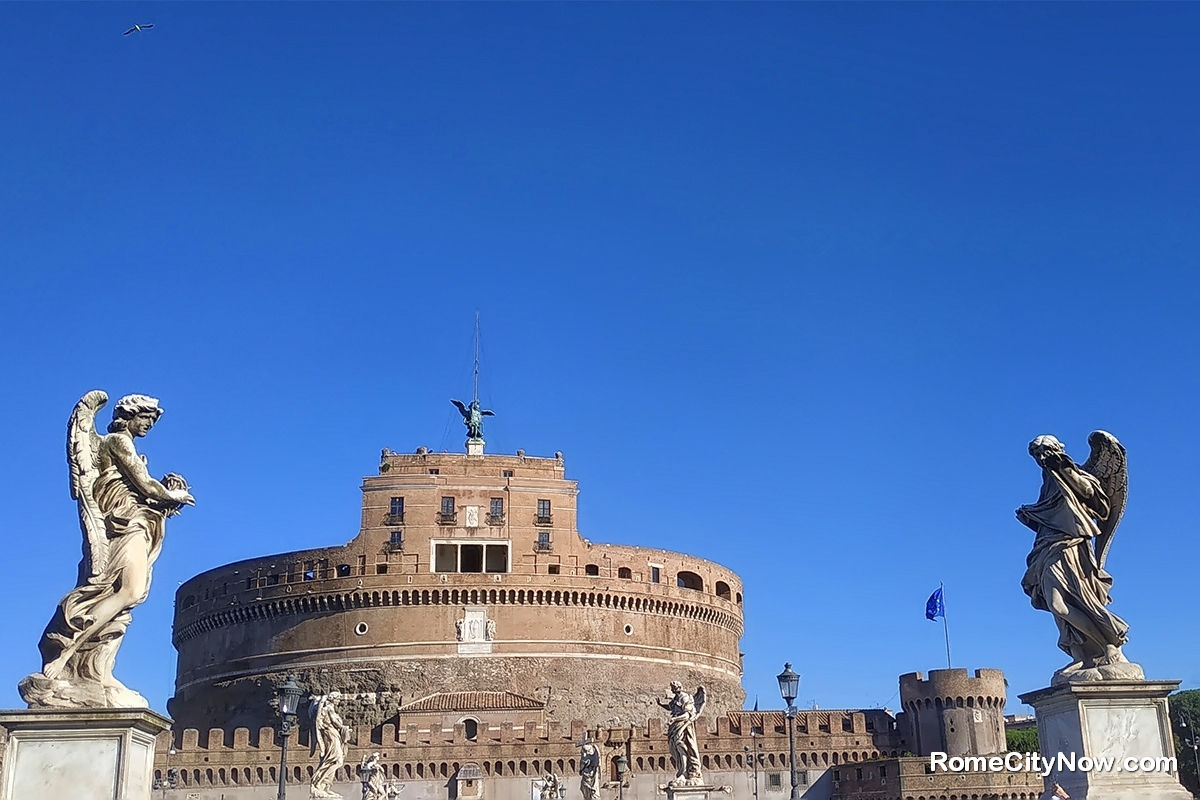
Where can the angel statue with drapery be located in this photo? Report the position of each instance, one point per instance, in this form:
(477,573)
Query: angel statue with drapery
(1075,518)
(123,512)
(473,415)
(329,743)
(684,709)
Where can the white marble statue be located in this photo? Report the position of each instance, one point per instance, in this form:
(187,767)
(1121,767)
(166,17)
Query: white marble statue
(330,736)
(1075,518)
(550,787)
(589,770)
(122,512)
(681,734)
(373,775)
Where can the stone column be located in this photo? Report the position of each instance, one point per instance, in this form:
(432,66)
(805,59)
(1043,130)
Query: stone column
(79,753)
(1111,719)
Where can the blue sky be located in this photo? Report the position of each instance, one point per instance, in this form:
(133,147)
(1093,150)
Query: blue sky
(791,285)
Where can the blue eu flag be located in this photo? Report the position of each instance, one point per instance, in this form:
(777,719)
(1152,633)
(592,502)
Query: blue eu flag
(935,607)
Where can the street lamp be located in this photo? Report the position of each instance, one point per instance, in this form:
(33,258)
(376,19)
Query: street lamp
(789,686)
(622,767)
(1185,721)
(288,695)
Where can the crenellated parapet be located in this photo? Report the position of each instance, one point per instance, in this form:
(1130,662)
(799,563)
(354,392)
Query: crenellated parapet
(412,751)
(952,712)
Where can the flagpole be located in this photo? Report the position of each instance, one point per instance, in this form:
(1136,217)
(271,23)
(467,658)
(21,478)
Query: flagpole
(945,624)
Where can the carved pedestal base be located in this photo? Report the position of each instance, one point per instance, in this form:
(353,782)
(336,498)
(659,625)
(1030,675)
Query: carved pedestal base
(1122,720)
(475,447)
(694,792)
(81,754)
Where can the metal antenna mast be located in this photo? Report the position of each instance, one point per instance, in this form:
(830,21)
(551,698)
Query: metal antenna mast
(475,395)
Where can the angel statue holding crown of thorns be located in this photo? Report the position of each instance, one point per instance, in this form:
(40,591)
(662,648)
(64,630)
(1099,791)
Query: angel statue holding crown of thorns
(1075,518)
(123,512)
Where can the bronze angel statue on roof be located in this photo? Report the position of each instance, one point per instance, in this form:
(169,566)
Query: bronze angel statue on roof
(122,512)
(473,416)
(1075,518)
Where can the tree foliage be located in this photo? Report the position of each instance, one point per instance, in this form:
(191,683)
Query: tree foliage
(1185,724)
(1022,740)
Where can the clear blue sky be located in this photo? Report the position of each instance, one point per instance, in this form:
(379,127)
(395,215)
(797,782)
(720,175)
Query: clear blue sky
(791,285)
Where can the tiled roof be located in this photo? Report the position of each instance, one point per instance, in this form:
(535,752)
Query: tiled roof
(473,701)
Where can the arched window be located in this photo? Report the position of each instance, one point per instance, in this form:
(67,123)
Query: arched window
(723,590)
(591,569)
(471,729)
(625,572)
(689,580)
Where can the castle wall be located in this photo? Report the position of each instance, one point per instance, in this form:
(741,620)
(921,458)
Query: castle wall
(238,764)
(953,713)
(387,617)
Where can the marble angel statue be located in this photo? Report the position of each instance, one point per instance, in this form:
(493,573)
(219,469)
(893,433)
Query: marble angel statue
(589,769)
(373,775)
(684,709)
(330,736)
(123,513)
(1074,519)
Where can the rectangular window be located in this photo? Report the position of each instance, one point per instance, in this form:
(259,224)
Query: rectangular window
(397,509)
(435,472)
(495,558)
(381,569)
(837,774)
(508,473)
(870,725)
(543,540)
(496,509)
(310,570)
(858,773)
(396,541)
(848,724)
(655,575)
(543,512)
(552,569)
(447,506)
(470,558)
(362,565)
(445,558)
(273,580)
(882,773)
(774,780)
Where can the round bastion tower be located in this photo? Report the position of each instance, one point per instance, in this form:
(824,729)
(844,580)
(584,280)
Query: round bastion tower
(950,712)
(468,583)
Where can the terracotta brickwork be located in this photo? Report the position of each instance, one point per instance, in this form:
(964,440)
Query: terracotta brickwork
(221,760)
(468,573)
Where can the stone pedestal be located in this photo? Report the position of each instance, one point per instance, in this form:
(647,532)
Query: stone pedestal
(695,792)
(1125,721)
(81,754)
(475,447)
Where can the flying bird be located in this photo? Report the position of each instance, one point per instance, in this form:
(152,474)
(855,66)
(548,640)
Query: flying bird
(137,28)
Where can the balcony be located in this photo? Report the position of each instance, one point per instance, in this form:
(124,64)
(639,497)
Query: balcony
(542,547)
(495,519)
(447,519)
(393,519)
(543,519)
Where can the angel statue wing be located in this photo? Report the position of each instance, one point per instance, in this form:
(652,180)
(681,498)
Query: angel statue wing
(314,713)
(461,408)
(82,445)
(1107,464)
(699,698)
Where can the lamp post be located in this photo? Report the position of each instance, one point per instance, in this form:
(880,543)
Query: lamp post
(288,694)
(1185,721)
(622,767)
(789,685)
